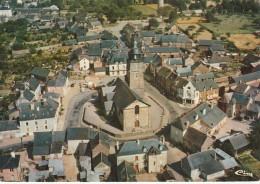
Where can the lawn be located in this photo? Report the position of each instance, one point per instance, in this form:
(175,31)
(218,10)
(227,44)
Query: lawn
(250,163)
(144,9)
(235,24)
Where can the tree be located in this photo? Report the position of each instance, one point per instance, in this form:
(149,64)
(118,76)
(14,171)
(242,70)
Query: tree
(153,23)
(173,16)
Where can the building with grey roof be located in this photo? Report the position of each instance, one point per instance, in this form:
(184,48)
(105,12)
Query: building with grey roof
(206,118)
(207,165)
(236,144)
(250,79)
(126,172)
(10,167)
(140,152)
(48,145)
(177,40)
(9,129)
(59,84)
(40,73)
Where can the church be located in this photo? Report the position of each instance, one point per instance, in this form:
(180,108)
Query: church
(125,100)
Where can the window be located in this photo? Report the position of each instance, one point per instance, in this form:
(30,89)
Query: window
(11,170)
(1,170)
(136,157)
(37,128)
(46,127)
(154,162)
(36,122)
(137,109)
(26,123)
(46,122)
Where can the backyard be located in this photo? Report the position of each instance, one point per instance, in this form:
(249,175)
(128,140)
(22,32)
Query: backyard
(203,35)
(249,162)
(234,24)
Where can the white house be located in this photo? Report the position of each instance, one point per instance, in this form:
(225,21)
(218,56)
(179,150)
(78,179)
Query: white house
(81,64)
(5,12)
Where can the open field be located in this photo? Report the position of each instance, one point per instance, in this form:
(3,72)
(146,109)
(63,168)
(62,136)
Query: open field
(204,35)
(245,41)
(145,9)
(190,20)
(155,6)
(235,24)
(249,162)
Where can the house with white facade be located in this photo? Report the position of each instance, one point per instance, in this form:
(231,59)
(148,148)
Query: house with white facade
(38,116)
(59,84)
(116,64)
(5,12)
(150,154)
(81,64)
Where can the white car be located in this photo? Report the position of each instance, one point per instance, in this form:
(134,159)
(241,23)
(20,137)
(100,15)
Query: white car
(82,89)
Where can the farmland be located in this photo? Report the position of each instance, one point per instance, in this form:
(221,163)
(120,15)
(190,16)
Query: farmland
(204,35)
(145,9)
(190,20)
(235,24)
(245,41)
(155,6)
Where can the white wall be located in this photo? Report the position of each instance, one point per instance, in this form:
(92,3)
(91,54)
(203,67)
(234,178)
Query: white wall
(51,124)
(73,145)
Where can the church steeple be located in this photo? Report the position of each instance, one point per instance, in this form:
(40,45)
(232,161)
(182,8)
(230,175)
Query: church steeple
(135,53)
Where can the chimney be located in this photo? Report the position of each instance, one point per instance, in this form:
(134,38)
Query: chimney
(204,111)
(32,106)
(215,156)
(137,141)
(196,117)
(118,44)
(117,145)
(13,154)
(211,105)
(138,35)
(144,54)
(38,108)
(163,139)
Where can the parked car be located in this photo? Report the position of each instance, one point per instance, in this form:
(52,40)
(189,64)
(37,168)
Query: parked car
(72,85)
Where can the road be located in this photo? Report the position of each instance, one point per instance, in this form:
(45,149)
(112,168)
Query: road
(76,106)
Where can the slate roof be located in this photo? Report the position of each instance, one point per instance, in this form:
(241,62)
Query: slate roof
(174,61)
(126,172)
(59,136)
(83,149)
(241,88)
(212,117)
(184,72)
(204,161)
(42,142)
(56,147)
(108,43)
(241,98)
(33,83)
(99,136)
(252,58)
(88,38)
(164,50)
(100,69)
(224,59)
(37,71)
(175,39)
(209,42)
(117,58)
(8,162)
(197,138)
(28,95)
(206,84)
(59,81)
(239,141)
(124,96)
(217,47)
(42,113)
(154,151)
(35,176)
(8,125)
(100,158)
(205,76)
(179,82)
(248,77)
(200,66)
(51,95)
(164,72)
(57,165)
(79,133)
(145,34)
(133,147)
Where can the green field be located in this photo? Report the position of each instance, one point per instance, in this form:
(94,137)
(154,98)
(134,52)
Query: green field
(144,9)
(234,24)
(250,163)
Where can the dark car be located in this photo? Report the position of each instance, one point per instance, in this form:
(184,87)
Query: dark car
(72,85)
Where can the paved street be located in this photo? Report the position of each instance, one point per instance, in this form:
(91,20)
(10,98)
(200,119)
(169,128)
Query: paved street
(75,107)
